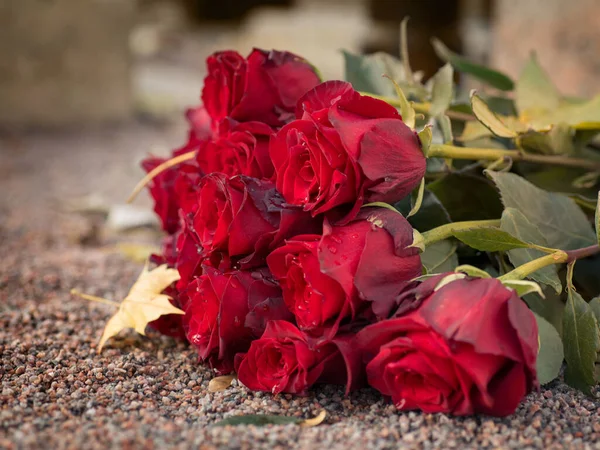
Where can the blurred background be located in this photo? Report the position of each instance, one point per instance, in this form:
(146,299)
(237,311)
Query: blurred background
(89,87)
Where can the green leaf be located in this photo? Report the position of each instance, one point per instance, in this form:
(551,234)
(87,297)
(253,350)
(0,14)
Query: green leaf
(559,219)
(584,116)
(406,109)
(425,136)
(489,76)
(404,50)
(515,223)
(597,219)
(442,91)
(581,342)
(440,257)
(534,92)
(418,199)
(474,130)
(551,352)
(445,126)
(489,118)
(467,197)
(365,72)
(595,306)
(489,239)
(550,307)
(432,213)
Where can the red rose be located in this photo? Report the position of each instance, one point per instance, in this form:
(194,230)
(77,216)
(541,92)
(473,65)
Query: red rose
(240,149)
(345,149)
(169,188)
(200,122)
(224,312)
(329,278)
(265,87)
(470,347)
(286,360)
(244,216)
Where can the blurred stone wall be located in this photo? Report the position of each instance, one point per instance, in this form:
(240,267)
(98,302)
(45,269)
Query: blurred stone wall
(564,33)
(64,61)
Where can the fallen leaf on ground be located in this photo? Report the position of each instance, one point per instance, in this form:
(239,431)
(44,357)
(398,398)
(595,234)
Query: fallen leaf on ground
(136,252)
(221,383)
(144,303)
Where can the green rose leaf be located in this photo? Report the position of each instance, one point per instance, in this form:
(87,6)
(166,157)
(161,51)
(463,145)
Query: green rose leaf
(442,91)
(551,352)
(489,239)
(489,76)
(515,223)
(534,92)
(581,342)
(556,216)
(440,257)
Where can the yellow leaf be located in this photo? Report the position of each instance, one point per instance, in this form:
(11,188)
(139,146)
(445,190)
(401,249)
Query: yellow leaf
(144,303)
(136,252)
(315,420)
(218,384)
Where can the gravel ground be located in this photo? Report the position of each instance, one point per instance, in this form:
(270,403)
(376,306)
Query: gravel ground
(150,392)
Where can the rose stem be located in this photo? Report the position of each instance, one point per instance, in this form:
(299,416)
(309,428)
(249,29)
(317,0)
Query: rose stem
(558,257)
(157,170)
(494,154)
(446,231)
(422,107)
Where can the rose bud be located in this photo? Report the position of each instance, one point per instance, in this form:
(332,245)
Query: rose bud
(470,347)
(265,87)
(167,188)
(337,275)
(240,149)
(345,149)
(286,360)
(218,306)
(244,216)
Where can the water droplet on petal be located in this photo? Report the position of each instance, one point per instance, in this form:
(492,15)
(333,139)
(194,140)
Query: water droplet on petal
(332,249)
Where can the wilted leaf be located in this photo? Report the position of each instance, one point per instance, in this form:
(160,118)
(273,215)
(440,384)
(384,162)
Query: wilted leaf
(515,223)
(556,141)
(418,199)
(474,130)
(558,218)
(440,257)
(406,109)
(534,92)
(581,343)
(144,303)
(489,239)
(445,126)
(489,118)
(551,352)
(583,116)
(221,383)
(265,419)
(425,136)
(489,76)
(442,91)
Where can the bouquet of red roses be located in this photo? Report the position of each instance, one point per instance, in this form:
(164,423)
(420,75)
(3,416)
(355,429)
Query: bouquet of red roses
(292,255)
(292,269)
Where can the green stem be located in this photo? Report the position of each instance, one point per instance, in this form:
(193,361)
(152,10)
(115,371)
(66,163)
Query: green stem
(446,231)
(558,257)
(422,107)
(494,154)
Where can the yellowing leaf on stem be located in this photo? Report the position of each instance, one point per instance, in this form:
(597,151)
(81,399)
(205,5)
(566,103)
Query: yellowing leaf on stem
(144,303)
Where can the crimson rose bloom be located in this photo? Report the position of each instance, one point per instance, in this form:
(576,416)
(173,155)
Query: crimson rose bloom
(286,360)
(239,149)
(244,216)
(345,148)
(171,187)
(265,87)
(334,276)
(470,347)
(224,312)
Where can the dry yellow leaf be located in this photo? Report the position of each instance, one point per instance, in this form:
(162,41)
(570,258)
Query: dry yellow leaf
(218,384)
(144,303)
